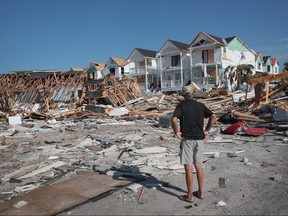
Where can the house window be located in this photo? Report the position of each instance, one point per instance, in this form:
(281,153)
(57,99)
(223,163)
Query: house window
(112,71)
(122,70)
(142,63)
(177,76)
(259,66)
(149,62)
(202,41)
(268,68)
(224,53)
(205,56)
(175,61)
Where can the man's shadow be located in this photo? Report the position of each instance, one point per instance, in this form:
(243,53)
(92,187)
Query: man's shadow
(134,174)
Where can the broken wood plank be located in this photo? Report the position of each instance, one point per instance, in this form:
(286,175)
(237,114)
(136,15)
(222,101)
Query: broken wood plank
(53,199)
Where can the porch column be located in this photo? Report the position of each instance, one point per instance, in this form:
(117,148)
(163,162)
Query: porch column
(191,64)
(160,67)
(146,83)
(217,74)
(181,68)
(205,73)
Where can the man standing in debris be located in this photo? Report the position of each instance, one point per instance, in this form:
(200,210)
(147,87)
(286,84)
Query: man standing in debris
(191,114)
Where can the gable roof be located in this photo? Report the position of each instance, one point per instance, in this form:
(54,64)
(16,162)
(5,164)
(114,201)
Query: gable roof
(228,39)
(98,65)
(147,53)
(258,55)
(266,58)
(180,45)
(211,37)
(220,41)
(216,39)
(118,61)
(77,69)
(274,61)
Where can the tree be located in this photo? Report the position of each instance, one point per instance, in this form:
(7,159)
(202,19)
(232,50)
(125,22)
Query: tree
(239,75)
(285,67)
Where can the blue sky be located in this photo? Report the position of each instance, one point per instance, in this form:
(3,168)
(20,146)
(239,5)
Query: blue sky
(61,34)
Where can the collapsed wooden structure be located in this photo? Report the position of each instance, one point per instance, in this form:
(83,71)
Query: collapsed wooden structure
(114,92)
(25,89)
(52,89)
(38,87)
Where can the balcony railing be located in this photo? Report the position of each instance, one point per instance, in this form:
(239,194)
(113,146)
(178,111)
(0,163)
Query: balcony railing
(171,68)
(142,70)
(202,81)
(142,86)
(173,83)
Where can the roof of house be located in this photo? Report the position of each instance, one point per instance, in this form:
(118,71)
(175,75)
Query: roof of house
(147,53)
(212,37)
(228,39)
(119,61)
(215,38)
(77,69)
(266,58)
(220,41)
(258,55)
(37,75)
(98,65)
(180,45)
(274,61)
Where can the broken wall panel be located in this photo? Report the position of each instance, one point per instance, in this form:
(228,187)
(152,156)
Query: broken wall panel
(64,94)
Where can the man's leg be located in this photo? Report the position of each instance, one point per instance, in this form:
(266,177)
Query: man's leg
(189,180)
(200,179)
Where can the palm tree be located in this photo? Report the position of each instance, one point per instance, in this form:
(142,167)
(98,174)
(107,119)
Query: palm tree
(285,67)
(238,75)
(229,75)
(243,73)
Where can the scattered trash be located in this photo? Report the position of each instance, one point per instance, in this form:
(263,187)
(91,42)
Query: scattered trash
(221,203)
(20,204)
(277,177)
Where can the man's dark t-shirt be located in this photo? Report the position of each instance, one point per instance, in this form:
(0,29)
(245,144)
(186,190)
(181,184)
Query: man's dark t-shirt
(191,114)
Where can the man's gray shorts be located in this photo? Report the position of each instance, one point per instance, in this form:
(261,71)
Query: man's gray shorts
(191,151)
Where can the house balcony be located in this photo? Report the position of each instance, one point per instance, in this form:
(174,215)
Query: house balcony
(204,81)
(142,71)
(171,68)
(172,85)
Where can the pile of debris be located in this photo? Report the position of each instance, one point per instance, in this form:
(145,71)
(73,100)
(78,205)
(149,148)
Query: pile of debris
(117,130)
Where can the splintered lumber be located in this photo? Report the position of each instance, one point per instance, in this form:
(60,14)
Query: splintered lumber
(275,90)
(244,116)
(268,78)
(228,99)
(65,113)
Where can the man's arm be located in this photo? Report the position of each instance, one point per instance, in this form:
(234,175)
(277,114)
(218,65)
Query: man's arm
(174,124)
(211,121)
